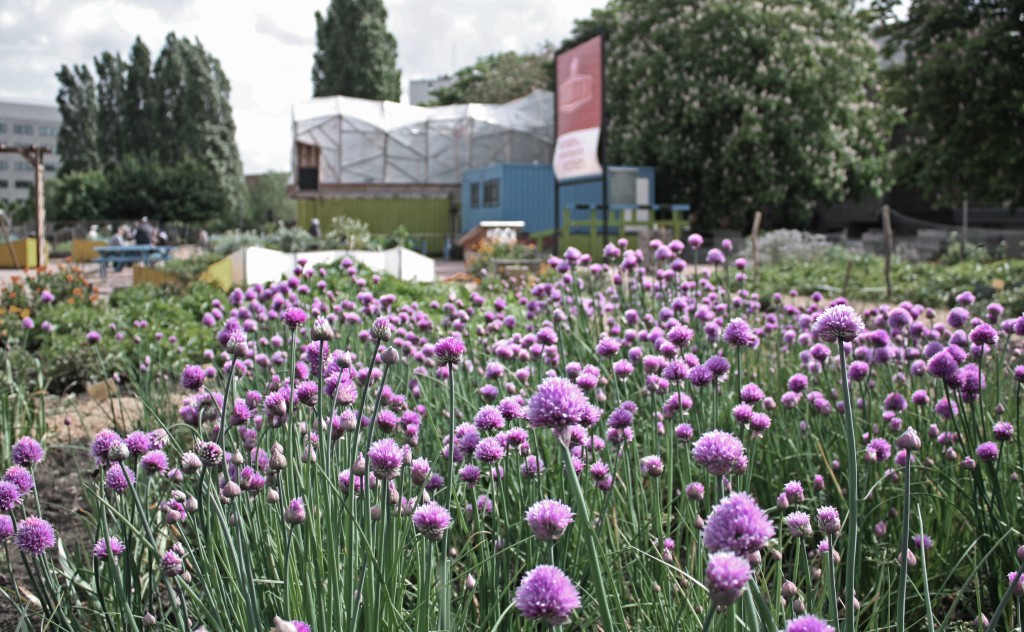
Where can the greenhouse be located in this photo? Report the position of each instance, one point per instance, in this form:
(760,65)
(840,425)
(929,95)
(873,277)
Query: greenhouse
(342,141)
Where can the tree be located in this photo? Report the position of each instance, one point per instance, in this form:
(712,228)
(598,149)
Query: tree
(268,199)
(76,99)
(956,73)
(356,55)
(500,77)
(79,195)
(747,105)
(140,106)
(111,74)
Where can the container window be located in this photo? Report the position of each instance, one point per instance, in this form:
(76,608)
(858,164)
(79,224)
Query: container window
(474,195)
(491,192)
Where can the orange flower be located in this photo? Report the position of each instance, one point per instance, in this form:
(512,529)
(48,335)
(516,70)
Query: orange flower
(71,301)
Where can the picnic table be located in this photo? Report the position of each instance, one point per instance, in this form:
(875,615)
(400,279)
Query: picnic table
(120,256)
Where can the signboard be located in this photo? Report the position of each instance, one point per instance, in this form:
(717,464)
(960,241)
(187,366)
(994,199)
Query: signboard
(579,82)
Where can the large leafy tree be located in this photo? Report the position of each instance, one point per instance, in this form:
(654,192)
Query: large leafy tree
(163,133)
(355,54)
(956,72)
(499,78)
(111,74)
(747,105)
(140,104)
(76,99)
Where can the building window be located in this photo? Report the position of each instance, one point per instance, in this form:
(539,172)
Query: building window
(22,184)
(51,167)
(3,165)
(3,128)
(46,130)
(474,195)
(491,192)
(23,129)
(3,184)
(21,165)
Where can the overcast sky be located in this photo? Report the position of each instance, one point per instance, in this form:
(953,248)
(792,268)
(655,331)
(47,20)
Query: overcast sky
(265,46)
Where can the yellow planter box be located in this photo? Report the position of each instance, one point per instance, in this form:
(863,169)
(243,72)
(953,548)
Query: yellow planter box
(24,254)
(154,276)
(84,249)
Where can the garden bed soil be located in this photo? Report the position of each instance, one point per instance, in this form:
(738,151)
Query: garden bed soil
(58,483)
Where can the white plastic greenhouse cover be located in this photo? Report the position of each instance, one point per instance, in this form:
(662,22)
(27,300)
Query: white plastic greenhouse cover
(362,141)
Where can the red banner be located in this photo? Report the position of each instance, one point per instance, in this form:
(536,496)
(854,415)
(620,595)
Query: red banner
(579,81)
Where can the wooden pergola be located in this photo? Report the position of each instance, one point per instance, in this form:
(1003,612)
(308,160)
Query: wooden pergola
(34,154)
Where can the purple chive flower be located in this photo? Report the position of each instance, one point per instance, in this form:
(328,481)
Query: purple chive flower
(489,450)
(431,520)
(828,520)
(739,334)
(295,512)
(154,462)
(101,445)
(489,418)
(386,458)
(737,524)
(92,337)
(380,330)
(987,451)
(839,322)
(192,377)
(652,466)
(10,496)
(105,547)
(720,453)
(798,524)
(27,452)
(1002,430)
(119,479)
(557,403)
(6,527)
(449,351)
(209,453)
(34,535)
(547,594)
(548,519)
(171,564)
(858,370)
(727,575)
(21,477)
(809,623)
(295,317)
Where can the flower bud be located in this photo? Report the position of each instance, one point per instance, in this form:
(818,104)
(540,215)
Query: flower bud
(381,329)
(273,497)
(278,462)
(322,331)
(909,441)
(789,589)
(295,512)
(359,467)
(389,356)
(231,490)
(118,451)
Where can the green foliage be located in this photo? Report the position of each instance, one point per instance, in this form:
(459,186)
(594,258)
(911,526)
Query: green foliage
(747,105)
(163,132)
(190,269)
(355,54)
(349,233)
(922,282)
(268,199)
(78,195)
(500,77)
(955,72)
(76,141)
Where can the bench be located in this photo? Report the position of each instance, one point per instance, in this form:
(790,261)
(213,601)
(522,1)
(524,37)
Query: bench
(120,256)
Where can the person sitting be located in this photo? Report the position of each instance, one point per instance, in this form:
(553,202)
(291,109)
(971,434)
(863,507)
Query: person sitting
(144,232)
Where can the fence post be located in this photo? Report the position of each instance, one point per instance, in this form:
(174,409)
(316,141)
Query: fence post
(887,227)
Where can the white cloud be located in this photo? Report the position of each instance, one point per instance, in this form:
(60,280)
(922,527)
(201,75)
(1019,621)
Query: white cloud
(265,46)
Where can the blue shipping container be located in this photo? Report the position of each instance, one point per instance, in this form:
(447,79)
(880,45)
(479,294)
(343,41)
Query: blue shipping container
(510,192)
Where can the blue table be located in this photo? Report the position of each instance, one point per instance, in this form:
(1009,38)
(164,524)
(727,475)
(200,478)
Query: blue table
(120,256)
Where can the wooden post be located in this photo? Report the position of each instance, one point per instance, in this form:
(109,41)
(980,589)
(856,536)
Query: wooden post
(754,230)
(887,227)
(40,207)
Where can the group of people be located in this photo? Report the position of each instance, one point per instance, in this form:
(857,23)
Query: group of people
(142,234)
